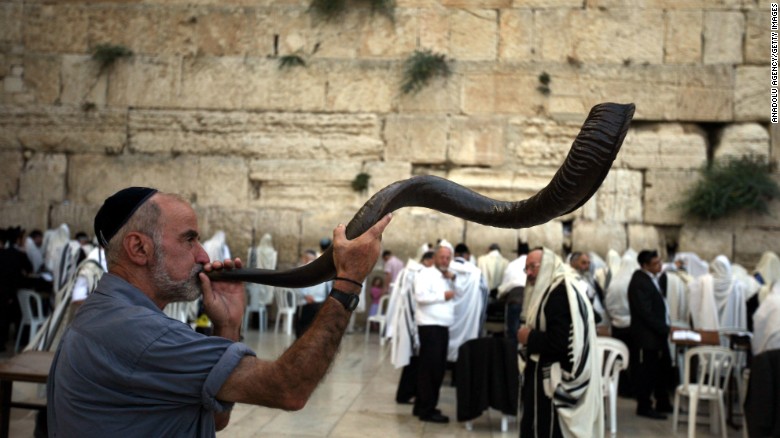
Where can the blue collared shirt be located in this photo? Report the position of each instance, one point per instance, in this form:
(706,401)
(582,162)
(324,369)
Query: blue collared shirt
(124,368)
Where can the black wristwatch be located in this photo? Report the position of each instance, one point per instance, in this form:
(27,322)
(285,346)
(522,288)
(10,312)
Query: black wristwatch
(349,301)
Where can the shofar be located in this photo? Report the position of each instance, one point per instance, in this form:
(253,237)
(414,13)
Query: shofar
(578,178)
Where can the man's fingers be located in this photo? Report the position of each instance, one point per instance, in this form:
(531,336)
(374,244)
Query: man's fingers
(340,232)
(380,226)
(206,286)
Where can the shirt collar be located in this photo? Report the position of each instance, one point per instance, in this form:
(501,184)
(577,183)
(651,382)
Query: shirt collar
(116,287)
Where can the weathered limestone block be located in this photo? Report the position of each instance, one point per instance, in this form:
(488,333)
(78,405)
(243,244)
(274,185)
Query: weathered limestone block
(723,35)
(289,89)
(43,178)
(411,227)
(11,168)
(540,142)
(386,39)
(79,217)
(83,80)
(384,173)
(599,35)
(707,241)
(55,28)
(29,215)
(304,171)
(757,39)
(93,178)
(283,225)
(257,135)
(541,4)
(481,4)
(52,129)
(663,146)
(682,44)
(516,35)
(548,235)
(147,82)
(672,4)
(774,139)
(473,34)
(619,199)
(502,185)
(177,27)
(646,237)
(435,33)
(301,195)
(664,190)
(743,139)
(210,82)
(510,91)
(480,237)
(477,141)
(237,223)
(225,31)
(224,181)
(419,139)
(137,28)
(11,19)
(751,93)
(284,31)
(751,243)
(319,224)
(598,237)
(42,77)
(356,87)
(441,95)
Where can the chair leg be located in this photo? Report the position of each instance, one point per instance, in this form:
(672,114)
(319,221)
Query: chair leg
(613,408)
(381,333)
(368,329)
(676,414)
(722,413)
(289,324)
(20,329)
(714,417)
(276,323)
(693,404)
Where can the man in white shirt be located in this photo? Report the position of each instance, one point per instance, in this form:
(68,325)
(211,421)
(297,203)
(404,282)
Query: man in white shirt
(433,292)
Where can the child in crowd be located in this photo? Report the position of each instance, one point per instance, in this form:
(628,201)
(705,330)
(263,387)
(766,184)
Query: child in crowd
(377,286)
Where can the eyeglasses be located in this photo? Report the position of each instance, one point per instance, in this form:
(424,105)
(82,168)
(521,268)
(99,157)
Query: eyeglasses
(532,267)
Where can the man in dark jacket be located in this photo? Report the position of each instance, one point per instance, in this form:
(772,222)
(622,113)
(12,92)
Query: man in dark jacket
(650,332)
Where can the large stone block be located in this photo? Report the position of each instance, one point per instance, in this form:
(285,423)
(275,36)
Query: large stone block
(288,89)
(619,199)
(663,146)
(92,178)
(361,87)
(435,34)
(598,237)
(480,237)
(743,139)
(664,190)
(52,129)
(384,173)
(591,35)
(682,44)
(672,4)
(474,34)
(481,4)
(646,237)
(257,135)
(751,93)
(757,39)
(549,235)
(83,80)
(724,32)
(28,215)
(386,39)
(55,28)
(440,95)
(411,227)
(538,142)
(301,195)
(516,35)
(11,19)
(43,178)
(225,31)
(147,82)
(226,182)
(137,28)
(419,139)
(707,241)
(210,82)
(11,163)
(42,78)
(79,217)
(477,141)
(751,243)
(505,91)
(304,171)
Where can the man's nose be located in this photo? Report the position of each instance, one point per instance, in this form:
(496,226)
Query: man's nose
(201,256)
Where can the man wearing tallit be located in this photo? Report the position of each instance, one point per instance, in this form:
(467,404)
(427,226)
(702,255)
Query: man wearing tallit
(717,300)
(561,392)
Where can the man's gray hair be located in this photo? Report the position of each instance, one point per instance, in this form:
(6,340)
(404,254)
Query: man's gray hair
(145,220)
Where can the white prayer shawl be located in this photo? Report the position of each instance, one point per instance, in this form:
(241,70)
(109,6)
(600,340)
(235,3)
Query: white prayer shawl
(677,298)
(544,278)
(400,326)
(729,295)
(769,269)
(695,266)
(34,254)
(766,323)
(514,276)
(469,304)
(263,256)
(616,300)
(577,396)
(493,265)
(704,308)
(53,242)
(749,283)
(216,247)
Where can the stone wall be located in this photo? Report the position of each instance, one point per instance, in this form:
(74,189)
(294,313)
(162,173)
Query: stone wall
(203,109)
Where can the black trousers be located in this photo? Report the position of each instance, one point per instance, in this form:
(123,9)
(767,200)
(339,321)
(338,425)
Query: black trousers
(539,416)
(434,340)
(626,382)
(407,386)
(305,317)
(651,378)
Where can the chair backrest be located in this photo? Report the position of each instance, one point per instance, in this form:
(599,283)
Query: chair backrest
(24,296)
(615,357)
(713,368)
(383,304)
(285,298)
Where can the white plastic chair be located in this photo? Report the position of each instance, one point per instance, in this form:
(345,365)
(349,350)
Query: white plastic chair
(286,303)
(615,359)
(712,375)
(380,317)
(34,320)
(254,303)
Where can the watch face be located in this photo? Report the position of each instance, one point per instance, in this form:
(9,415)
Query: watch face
(353,302)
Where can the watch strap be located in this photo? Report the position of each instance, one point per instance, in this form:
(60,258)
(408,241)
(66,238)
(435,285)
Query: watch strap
(349,301)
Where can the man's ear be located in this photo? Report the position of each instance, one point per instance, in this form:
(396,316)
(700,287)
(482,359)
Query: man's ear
(139,248)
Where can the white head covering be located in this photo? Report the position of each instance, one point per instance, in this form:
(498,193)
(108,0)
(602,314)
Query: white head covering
(616,300)
(769,270)
(748,282)
(446,244)
(722,278)
(266,254)
(613,261)
(216,247)
(766,323)
(551,265)
(695,266)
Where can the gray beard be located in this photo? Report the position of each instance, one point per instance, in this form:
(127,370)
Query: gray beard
(170,290)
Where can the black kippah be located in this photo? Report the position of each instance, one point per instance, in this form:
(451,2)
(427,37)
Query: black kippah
(117,210)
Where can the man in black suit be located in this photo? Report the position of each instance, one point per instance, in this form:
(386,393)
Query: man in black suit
(650,332)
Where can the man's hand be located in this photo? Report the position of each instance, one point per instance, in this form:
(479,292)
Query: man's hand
(522,334)
(223,301)
(449,275)
(448,295)
(354,259)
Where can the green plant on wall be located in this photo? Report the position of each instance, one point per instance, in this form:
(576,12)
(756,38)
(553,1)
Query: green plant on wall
(544,83)
(421,67)
(290,61)
(108,54)
(731,185)
(360,183)
(332,9)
